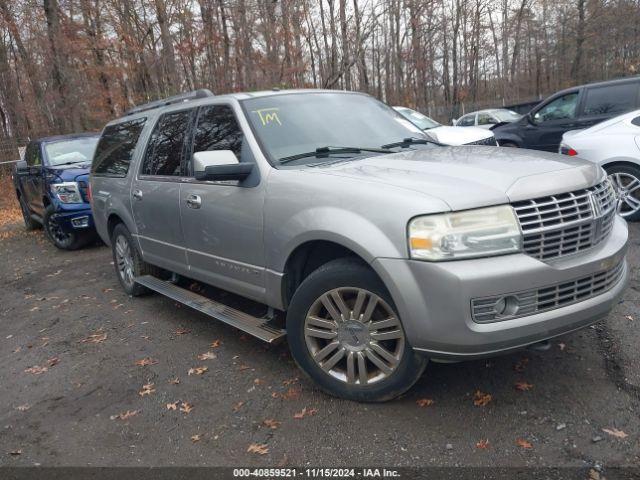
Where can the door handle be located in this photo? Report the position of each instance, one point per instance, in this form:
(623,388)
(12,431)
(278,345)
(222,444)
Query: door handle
(137,194)
(194,201)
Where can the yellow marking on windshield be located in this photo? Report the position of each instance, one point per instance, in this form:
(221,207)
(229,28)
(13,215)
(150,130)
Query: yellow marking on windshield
(268,115)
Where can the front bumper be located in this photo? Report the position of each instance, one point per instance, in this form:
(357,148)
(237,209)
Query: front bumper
(71,221)
(434,298)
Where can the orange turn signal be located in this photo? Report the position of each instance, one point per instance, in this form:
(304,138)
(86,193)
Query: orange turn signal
(421,243)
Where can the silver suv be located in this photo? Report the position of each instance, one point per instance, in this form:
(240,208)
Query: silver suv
(337,221)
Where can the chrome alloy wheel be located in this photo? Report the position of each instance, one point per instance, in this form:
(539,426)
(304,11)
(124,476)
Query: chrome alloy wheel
(124,260)
(354,336)
(627,189)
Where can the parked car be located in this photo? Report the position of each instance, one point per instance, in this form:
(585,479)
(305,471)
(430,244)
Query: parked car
(52,185)
(447,135)
(370,247)
(615,146)
(571,109)
(487,118)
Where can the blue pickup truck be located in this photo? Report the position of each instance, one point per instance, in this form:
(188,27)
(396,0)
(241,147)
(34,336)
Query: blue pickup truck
(52,185)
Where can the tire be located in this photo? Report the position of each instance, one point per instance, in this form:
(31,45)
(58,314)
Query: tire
(121,239)
(626,181)
(29,223)
(60,239)
(509,144)
(310,331)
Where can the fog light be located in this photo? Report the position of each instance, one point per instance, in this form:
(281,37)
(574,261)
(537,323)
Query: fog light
(80,222)
(506,306)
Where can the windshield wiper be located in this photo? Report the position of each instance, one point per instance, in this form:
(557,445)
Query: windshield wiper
(326,151)
(71,163)
(407,142)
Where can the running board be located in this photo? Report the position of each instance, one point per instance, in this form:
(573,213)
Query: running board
(258,327)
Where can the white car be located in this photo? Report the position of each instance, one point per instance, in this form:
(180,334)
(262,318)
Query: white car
(448,135)
(615,146)
(487,118)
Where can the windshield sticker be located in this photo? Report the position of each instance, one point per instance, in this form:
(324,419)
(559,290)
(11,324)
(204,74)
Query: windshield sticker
(268,116)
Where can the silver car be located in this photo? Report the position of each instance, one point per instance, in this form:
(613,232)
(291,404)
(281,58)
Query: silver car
(344,227)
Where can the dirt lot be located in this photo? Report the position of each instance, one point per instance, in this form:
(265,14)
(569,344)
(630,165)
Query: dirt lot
(92,377)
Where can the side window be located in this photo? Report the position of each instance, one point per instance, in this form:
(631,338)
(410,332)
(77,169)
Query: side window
(561,108)
(467,121)
(165,151)
(115,149)
(218,129)
(636,121)
(485,119)
(610,100)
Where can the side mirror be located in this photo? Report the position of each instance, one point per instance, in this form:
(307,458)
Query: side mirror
(22,168)
(532,118)
(220,165)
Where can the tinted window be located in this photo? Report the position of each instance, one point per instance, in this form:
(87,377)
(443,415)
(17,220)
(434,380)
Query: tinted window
(636,121)
(485,119)
(610,100)
(217,129)
(467,121)
(115,148)
(561,108)
(165,151)
(32,154)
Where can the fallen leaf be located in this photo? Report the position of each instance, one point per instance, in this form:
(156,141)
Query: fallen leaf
(523,386)
(197,370)
(306,412)
(105,290)
(52,362)
(521,442)
(258,381)
(36,370)
(95,338)
(521,365)
(425,402)
(172,406)
(271,423)
(291,394)
(186,407)
(562,346)
(182,331)
(196,438)
(237,406)
(125,415)
(629,317)
(23,408)
(174,381)
(243,367)
(147,389)
(259,448)
(207,356)
(289,381)
(614,432)
(215,344)
(15,452)
(483,444)
(146,361)
(481,399)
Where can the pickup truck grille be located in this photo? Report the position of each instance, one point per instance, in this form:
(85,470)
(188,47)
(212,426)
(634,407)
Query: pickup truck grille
(566,223)
(529,302)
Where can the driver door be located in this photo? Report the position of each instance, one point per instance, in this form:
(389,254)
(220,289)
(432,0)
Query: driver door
(544,129)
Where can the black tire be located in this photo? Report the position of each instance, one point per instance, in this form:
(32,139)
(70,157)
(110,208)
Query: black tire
(139,267)
(627,170)
(509,144)
(348,273)
(29,222)
(60,239)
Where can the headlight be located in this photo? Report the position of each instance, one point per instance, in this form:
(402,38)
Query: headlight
(67,192)
(472,233)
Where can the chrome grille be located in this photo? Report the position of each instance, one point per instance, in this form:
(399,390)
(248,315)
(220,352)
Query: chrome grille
(566,223)
(529,302)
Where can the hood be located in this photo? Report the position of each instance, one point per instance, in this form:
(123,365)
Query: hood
(458,135)
(471,177)
(69,173)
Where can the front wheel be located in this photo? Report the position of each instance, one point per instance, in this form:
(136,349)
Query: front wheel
(626,182)
(64,240)
(344,332)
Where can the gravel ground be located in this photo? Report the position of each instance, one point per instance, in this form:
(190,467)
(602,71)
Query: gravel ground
(73,394)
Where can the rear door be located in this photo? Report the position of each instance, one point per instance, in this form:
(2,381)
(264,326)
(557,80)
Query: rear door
(155,192)
(601,103)
(223,229)
(545,126)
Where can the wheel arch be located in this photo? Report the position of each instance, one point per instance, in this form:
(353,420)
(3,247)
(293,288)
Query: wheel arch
(620,161)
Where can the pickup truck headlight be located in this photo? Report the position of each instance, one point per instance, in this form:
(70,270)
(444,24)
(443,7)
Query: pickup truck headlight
(471,233)
(67,192)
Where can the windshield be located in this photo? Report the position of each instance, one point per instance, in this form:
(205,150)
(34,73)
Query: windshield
(64,152)
(506,115)
(421,121)
(294,124)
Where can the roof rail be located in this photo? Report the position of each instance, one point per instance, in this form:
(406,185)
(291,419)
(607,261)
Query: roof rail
(180,98)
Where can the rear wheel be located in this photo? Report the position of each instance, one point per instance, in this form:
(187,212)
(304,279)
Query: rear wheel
(29,223)
(128,261)
(344,332)
(61,238)
(626,182)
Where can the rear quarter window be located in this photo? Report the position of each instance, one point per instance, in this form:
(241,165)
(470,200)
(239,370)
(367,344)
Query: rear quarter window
(115,149)
(610,100)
